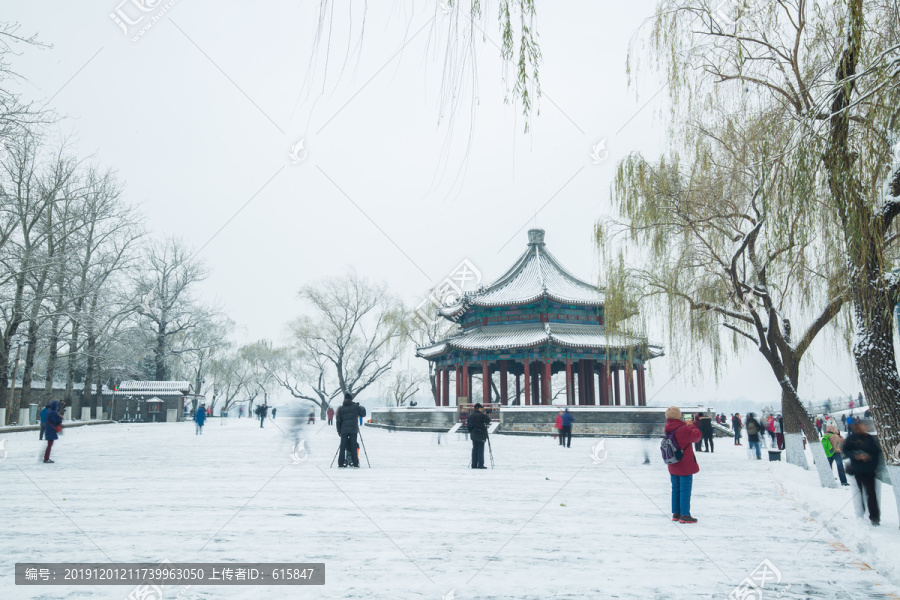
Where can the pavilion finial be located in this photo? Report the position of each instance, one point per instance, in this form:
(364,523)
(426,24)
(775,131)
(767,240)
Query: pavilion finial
(535,237)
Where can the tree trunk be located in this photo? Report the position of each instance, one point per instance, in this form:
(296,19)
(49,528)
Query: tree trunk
(793,438)
(159,354)
(28,370)
(52,355)
(70,368)
(877,366)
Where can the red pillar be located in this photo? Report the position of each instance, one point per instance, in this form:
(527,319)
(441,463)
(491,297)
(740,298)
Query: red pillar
(518,389)
(589,373)
(642,391)
(526,382)
(456,380)
(604,386)
(485,382)
(545,381)
(437,386)
(504,396)
(466,383)
(569,385)
(615,374)
(446,391)
(536,385)
(631,384)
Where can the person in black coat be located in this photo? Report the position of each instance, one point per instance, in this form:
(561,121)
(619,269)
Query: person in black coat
(477,424)
(347,423)
(706,428)
(865,454)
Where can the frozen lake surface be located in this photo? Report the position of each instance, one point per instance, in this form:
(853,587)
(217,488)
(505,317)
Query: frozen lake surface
(547,522)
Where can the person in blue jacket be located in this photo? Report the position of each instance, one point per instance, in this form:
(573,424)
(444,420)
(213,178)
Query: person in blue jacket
(44,412)
(567,420)
(200,418)
(51,434)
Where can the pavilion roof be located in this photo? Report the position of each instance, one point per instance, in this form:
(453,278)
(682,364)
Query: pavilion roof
(534,275)
(501,337)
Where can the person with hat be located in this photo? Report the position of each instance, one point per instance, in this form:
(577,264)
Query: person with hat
(347,427)
(682,472)
(477,424)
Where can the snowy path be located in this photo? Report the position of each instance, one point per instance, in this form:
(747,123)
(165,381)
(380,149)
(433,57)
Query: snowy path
(546,523)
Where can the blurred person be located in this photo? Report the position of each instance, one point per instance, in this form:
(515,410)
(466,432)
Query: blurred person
(312,416)
(274,410)
(779,432)
(681,473)
(477,425)
(200,419)
(43,415)
(568,419)
(833,443)
(865,455)
(558,427)
(770,427)
(52,428)
(262,412)
(348,428)
(754,430)
(330,415)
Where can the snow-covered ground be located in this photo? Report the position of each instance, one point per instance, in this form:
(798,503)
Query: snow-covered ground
(548,522)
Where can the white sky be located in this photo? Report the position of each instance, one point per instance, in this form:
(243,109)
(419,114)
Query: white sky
(201,112)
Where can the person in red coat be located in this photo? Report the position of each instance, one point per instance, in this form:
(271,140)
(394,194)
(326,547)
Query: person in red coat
(682,472)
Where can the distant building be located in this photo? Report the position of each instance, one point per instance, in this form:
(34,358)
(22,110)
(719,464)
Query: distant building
(150,401)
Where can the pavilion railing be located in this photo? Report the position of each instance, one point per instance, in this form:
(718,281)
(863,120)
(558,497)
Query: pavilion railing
(491,410)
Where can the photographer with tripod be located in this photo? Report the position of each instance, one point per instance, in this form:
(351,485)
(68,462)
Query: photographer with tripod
(347,422)
(478,424)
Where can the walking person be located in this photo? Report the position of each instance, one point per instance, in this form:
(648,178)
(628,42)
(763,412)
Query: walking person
(347,424)
(558,432)
(330,414)
(696,421)
(44,412)
(52,427)
(736,426)
(754,430)
(779,432)
(274,410)
(568,419)
(706,428)
(865,455)
(312,416)
(262,410)
(770,427)
(477,424)
(200,419)
(682,472)
(833,444)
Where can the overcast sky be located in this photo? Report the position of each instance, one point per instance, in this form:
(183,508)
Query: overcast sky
(199,117)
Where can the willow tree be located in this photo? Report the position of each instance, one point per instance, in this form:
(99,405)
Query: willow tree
(711,249)
(827,74)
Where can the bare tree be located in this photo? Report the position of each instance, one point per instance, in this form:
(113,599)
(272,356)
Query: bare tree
(168,308)
(402,385)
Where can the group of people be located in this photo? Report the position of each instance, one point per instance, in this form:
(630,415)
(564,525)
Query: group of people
(864,457)
(564,422)
(757,430)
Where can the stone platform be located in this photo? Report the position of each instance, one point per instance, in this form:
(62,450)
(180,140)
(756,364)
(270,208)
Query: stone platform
(615,421)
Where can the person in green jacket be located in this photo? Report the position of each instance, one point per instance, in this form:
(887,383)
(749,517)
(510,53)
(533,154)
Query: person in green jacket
(833,443)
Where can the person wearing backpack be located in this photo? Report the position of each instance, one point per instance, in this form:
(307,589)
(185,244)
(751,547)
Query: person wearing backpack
(833,444)
(680,437)
(754,430)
